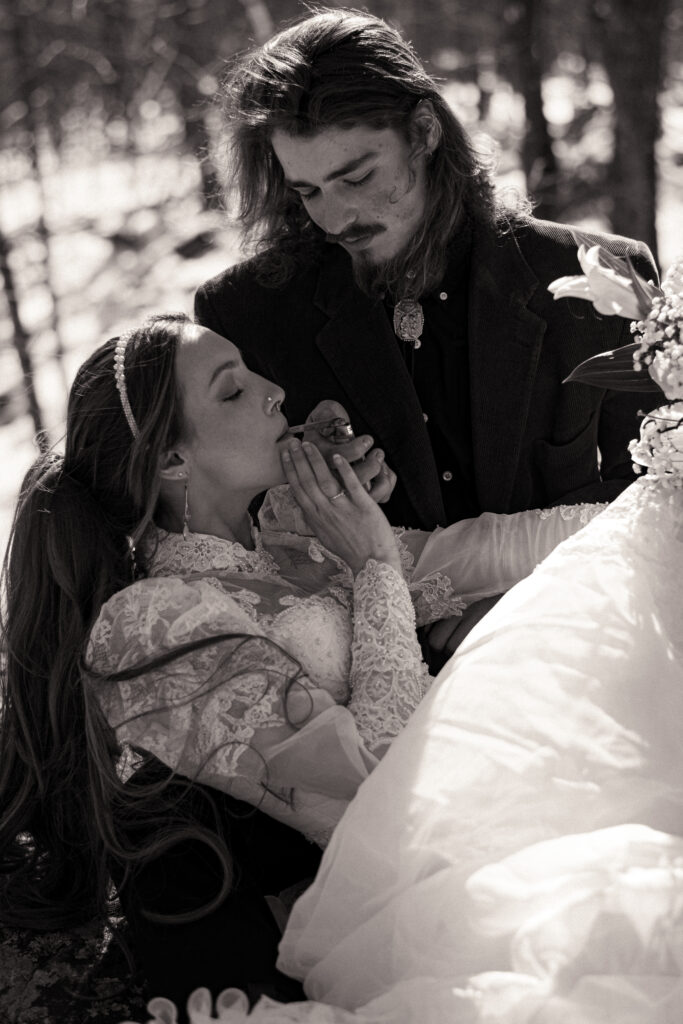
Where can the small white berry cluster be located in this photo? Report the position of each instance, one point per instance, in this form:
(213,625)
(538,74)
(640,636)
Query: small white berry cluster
(659,450)
(660,343)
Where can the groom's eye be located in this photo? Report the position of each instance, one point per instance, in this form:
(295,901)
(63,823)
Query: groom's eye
(360,181)
(304,193)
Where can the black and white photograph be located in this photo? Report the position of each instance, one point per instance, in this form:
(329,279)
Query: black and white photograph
(341,516)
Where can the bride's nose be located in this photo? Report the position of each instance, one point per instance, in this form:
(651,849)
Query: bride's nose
(274,398)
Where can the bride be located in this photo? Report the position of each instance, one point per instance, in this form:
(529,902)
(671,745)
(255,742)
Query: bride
(282,667)
(517,855)
(144,613)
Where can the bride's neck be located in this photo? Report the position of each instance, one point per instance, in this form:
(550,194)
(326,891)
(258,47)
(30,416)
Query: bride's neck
(233,526)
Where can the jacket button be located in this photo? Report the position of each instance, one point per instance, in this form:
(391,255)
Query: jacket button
(447,476)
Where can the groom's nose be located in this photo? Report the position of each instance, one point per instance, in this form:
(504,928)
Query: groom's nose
(335,215)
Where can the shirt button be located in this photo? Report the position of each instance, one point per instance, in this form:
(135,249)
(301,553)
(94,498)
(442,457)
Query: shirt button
(447,476)
(417,343)
(425,417)
(443,296)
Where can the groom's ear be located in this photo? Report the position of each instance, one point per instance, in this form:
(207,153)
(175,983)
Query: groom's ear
(425,129)
(173,465)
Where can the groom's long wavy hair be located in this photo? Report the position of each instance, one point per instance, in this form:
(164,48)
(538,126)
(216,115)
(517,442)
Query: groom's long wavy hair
(342,68)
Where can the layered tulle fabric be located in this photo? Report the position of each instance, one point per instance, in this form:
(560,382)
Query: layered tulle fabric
(477,845)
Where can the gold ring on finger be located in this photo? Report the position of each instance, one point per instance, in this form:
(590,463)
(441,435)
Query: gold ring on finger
(334,497)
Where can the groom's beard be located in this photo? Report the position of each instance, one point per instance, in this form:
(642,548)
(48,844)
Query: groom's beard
(395,276)
(371,278)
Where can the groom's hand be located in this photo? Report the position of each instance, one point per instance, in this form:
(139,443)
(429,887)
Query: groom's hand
(441,639)
(368,462)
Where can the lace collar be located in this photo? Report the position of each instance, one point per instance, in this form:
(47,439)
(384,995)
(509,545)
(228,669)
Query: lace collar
(170,554)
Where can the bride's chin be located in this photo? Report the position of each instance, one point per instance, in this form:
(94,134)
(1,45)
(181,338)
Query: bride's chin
(278,479)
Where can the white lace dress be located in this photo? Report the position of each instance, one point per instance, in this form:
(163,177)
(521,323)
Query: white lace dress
(297,676)
(517,855)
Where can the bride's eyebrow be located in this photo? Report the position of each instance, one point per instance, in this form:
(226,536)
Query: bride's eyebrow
(229,364)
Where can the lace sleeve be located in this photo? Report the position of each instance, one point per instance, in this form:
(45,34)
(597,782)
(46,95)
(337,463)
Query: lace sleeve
(388,675)
(478,558)
(280,513)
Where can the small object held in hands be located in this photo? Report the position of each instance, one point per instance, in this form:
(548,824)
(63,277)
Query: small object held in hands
(336,429)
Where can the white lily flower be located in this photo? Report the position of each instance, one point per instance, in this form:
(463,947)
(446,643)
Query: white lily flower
(612,294)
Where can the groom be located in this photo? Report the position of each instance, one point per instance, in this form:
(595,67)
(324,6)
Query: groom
(390,278)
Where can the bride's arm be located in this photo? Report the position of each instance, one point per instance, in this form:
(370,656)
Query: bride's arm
(230,707)
(486,556)
(388,676)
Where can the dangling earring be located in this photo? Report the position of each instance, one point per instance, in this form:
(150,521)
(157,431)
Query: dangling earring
(133,560)
(186,515)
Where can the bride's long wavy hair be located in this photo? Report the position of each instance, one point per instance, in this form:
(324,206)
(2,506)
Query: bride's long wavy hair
(339,69)
(64,808)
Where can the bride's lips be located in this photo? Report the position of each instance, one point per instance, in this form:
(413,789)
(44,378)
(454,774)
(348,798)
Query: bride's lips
(286,433)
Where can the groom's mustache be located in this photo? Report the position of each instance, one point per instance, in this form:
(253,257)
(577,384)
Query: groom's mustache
(357,231)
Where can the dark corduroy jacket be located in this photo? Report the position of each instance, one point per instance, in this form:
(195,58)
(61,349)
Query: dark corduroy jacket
(535,439)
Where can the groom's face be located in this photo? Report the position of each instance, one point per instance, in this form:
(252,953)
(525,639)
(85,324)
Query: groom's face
(364,187)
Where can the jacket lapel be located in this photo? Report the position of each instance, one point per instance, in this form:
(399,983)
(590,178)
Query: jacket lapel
(361,349)
(505,340)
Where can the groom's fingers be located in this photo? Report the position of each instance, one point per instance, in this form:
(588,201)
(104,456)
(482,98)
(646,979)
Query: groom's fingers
(382,486)
(353,451)
(370,468)
(444,637)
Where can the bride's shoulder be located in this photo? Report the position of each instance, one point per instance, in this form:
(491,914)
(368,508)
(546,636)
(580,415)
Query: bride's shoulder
(159,611)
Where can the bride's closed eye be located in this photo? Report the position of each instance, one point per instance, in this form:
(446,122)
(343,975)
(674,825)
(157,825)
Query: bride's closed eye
(233,396)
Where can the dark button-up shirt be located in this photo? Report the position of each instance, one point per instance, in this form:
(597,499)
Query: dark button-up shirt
(440,371)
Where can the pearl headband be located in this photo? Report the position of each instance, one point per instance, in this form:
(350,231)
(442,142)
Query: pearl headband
(120,377)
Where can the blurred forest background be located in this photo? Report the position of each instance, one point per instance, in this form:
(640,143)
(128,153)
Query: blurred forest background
(112,154)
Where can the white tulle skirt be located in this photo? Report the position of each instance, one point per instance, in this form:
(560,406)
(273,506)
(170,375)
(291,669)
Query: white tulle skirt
(527,820)
(518,854)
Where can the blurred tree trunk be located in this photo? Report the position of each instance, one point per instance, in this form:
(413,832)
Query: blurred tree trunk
(630,34)
(29,96)
(21,339)
(114,31)
(524,45)
(260,19)
(192,104)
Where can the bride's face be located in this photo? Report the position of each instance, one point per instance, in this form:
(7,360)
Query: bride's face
(234,429)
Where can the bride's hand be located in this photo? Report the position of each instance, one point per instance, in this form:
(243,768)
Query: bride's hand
(368,462)
(344,517)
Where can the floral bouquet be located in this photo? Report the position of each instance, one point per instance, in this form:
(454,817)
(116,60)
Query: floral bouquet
(654,362)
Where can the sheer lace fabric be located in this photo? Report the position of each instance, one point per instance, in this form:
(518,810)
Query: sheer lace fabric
(311,673)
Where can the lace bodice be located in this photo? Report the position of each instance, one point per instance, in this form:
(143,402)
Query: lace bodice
(290,708)
(287,677)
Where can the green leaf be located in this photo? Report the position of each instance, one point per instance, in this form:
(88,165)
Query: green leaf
(613,370)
